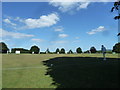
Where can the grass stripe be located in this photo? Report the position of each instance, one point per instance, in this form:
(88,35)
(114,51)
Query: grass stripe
(21,68)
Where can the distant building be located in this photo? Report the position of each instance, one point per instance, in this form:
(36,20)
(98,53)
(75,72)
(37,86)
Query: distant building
(17,52)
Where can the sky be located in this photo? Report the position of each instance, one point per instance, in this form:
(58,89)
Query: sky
(54,25)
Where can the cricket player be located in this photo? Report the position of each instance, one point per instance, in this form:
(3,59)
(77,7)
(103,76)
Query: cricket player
(103,49)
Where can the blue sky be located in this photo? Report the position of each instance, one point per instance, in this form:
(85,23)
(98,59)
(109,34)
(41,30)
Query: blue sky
(59,25)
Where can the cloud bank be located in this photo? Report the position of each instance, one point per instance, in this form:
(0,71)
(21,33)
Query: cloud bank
(4,33)
(43,21)
(31,23)
(68,5)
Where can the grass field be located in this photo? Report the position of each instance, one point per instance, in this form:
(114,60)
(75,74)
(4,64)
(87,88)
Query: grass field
(60,71)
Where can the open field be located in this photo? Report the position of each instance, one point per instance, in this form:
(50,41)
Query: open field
(59,70)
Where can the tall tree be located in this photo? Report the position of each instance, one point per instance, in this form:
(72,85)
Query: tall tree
(93,50)
(3,48)
(47,51)
(79,50)
(116,7)
(62,51)
(35,49)
(57,50)
(116,48)
(70,52)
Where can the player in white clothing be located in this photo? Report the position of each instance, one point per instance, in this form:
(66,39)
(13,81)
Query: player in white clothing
(103,49)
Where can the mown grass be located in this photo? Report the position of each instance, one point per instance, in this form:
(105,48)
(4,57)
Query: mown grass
(0,71)
(68,70)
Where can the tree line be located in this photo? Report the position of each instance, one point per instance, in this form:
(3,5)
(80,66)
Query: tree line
(36,50)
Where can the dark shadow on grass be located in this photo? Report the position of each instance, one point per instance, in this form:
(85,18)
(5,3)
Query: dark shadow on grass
(83,72)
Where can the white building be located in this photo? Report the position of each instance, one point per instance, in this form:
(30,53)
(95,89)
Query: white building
(17,52)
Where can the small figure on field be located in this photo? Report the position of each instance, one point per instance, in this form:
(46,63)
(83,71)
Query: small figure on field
(103,49)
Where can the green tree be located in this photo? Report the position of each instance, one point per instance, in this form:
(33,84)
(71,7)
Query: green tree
(116,7)
(116,48)
(47,51)
(62,51)
(79,50)
(57,50)
(35,49)
(88,51)
(70,52)
(3,48)
(93,50)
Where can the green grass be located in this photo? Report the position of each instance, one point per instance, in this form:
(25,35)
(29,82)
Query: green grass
(68,70)
(0,71)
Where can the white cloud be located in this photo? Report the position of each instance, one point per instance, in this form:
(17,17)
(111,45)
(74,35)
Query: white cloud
(77,37)
(57,0)
(4,33)
(59,42)
(37,40)
(82,0)
(9,22)
(63,35)
(43,21)
(31,23)
(68,5)
(58,29)
(94,31)
(65,6)
(83,5)
(19,19)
